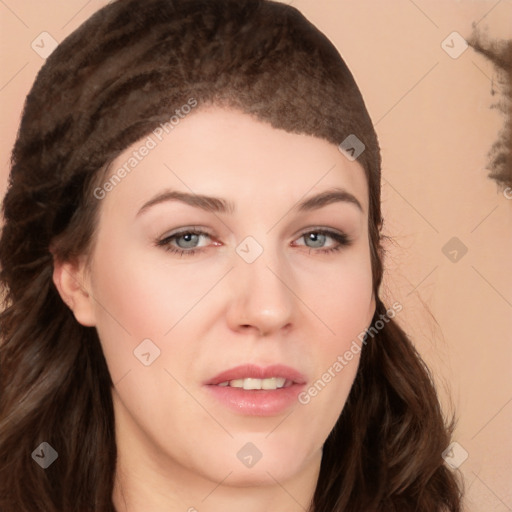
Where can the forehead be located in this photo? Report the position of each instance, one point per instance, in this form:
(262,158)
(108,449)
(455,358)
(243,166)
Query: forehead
(226,153)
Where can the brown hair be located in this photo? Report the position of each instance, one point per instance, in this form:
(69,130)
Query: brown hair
(499,52)
(111,82)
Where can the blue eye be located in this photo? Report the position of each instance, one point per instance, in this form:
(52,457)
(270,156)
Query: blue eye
(187,241)
(183,242)
(317,238)
(190,240)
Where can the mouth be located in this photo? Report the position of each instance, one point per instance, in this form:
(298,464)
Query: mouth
(249,383)
(257,391)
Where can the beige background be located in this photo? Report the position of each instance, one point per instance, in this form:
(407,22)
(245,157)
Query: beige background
(433,116)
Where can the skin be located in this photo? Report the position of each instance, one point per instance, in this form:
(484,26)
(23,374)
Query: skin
(211,311)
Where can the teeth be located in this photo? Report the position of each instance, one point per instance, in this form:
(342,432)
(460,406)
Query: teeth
(271,383)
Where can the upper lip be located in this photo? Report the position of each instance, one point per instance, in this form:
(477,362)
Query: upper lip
(252,371)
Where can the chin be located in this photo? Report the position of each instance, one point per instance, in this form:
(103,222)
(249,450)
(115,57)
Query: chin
(269,463)
(262,475)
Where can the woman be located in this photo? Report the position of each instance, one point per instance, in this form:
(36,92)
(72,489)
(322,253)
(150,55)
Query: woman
(191,260)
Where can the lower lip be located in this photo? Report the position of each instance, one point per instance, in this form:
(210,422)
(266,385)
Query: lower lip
(257,402)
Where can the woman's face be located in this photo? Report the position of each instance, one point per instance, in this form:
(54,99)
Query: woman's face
(214,263)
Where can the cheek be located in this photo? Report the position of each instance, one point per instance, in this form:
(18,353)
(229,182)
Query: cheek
(340,296)
(139,296)
(143,291)
(344,308)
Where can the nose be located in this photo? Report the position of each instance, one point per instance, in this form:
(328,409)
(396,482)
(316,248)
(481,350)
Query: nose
(261,298)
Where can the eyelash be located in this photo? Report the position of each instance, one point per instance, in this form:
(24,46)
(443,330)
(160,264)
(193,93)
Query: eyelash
(341,238)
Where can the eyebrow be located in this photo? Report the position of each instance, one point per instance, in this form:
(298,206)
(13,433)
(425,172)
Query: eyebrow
(207,203)
(334,195)
(218,205)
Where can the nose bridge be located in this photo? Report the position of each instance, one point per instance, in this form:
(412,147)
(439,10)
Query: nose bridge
(261,297)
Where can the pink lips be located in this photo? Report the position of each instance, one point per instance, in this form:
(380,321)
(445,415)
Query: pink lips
(257,402)
(250,371)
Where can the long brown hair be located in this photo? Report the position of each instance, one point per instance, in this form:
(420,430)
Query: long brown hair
(111,82)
